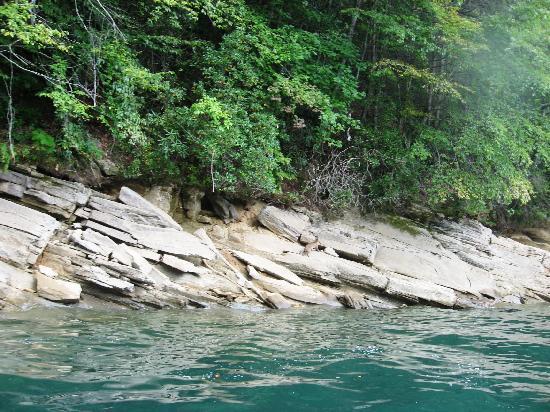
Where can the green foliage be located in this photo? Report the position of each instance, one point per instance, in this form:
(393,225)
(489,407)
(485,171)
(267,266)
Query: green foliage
(438,102)
(75,141)
(43,143)
(18,23)
(5,157)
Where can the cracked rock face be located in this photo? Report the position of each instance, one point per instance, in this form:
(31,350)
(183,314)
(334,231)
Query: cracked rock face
(63,243)
(24,233)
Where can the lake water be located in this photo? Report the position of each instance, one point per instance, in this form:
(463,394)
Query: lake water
(411,359)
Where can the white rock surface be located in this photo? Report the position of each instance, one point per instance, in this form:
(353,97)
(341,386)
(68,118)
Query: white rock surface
(50,287)
(267,266)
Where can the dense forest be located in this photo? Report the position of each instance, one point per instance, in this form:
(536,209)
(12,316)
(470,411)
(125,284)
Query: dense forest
(371,103)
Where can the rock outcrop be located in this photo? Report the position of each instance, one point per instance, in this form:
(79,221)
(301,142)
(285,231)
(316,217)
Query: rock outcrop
(50,287)
(24,233)
(62,243)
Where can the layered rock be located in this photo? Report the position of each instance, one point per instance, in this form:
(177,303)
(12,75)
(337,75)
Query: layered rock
(451,264)
(78,246)
(24,233)
(55,196)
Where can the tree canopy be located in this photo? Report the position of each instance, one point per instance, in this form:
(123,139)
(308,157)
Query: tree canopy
(375,103)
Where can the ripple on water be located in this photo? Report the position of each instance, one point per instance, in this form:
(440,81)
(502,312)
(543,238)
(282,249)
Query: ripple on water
(317,359)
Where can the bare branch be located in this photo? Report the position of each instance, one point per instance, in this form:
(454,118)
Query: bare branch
(10,112)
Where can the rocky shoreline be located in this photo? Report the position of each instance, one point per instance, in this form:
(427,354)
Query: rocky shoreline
(62,243)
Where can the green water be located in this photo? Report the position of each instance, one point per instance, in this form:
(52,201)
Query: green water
(412,359)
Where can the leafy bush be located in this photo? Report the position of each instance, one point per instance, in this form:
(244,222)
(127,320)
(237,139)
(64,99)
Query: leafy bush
(376,103)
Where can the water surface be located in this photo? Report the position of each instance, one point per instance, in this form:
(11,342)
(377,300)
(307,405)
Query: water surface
(411,359)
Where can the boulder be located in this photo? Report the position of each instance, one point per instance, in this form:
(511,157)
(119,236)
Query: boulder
(50,287)
(107,167)
(223,208)
(354,300)
(192,202)
(307,237)
(160,197)
(267,266)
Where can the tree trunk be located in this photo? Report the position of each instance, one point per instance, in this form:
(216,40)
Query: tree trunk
(33,11)
(10,114)
(354,18)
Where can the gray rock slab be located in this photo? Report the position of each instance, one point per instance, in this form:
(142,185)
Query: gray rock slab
(414,290)
(267,266)
(147,253)
(171,241)
(301,293)
(111,232)
(183,265)
(286,223)
(347,243)
(102,279)
(131,198)
(277,301)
